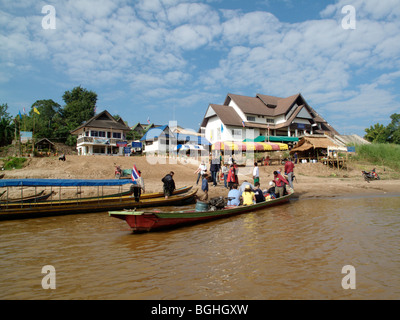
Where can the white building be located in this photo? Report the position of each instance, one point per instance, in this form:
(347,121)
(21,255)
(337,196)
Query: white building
(242,117)
(102,135)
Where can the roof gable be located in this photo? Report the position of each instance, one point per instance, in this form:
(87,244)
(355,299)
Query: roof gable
(104,120)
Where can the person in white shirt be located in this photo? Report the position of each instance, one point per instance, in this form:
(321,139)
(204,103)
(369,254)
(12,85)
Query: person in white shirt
(201,170)
(256,173)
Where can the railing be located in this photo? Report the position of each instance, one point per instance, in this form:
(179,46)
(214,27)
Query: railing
(96,140)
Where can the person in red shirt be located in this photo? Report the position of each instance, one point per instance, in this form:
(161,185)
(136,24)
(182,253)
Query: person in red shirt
(232,177)
(289,166)
(280,182)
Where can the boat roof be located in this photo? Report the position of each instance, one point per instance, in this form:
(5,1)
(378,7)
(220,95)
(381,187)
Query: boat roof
(62,182)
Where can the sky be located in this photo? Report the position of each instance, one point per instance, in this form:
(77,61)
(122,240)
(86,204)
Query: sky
(167,60)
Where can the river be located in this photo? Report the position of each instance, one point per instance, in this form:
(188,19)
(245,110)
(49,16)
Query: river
(293,251)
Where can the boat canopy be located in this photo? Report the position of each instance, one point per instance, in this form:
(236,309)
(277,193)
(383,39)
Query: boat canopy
(272,139)
(62,182)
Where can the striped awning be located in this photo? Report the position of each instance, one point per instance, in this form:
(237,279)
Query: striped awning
(249,146)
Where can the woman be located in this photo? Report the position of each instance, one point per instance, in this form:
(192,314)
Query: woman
(248,196)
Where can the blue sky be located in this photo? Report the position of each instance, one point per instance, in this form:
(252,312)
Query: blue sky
(169,59)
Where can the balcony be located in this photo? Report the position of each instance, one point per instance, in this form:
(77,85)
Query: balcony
(97,141)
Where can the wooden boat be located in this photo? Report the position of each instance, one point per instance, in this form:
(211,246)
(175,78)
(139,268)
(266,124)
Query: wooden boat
(41,196)
(9,211)
(141,221)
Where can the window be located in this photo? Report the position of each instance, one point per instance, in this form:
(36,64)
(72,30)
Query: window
(251,118)
(94,133)
(236,133)
(102,134)
(117,135)
(270,120)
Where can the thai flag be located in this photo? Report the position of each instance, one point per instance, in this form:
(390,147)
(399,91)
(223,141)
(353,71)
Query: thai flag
(148,120)
(135,173)
(243,124)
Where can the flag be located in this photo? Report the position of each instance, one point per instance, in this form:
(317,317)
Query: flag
(20,116)
(222,128)
(148,120)
(135,173)
(24,110)
(36,110)
(243,124)
(95,108)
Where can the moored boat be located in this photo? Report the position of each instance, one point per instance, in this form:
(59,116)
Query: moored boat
(142,221)
(9,211)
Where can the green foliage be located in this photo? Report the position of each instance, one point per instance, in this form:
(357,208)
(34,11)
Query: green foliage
(380,154)
(14,163)
(79,108)
(6,126)
(381,134)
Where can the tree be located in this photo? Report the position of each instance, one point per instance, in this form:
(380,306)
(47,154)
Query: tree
(377,133)
(393,129)
(49,119)
(6,126)
(80,105)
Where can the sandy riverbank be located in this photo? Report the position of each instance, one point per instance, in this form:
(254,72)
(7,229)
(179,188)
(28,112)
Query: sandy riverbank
(313,179)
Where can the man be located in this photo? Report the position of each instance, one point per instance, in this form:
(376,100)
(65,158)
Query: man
(243,186)
(279,184)
(289,166)
(138,187)
(234,196)
(258,193)
(256,173)
(204,188)
(201,170)
(214,168)
(169,184)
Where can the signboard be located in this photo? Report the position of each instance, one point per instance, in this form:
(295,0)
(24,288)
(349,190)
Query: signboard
(25,136)
(127,150)
(351,149)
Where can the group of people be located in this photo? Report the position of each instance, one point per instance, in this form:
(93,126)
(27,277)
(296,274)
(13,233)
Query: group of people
(248,193)
(168,186)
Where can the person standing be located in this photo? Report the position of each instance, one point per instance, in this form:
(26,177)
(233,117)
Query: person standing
(225,171)
(232,177)
(214,168)
(169,184)
(279,184)
(256,173)
(201,170)
(204,188)
(289,166)
(137,188)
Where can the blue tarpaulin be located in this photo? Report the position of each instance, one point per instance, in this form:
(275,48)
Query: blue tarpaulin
(62,182)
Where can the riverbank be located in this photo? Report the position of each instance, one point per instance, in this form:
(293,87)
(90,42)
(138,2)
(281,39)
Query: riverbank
(313,180)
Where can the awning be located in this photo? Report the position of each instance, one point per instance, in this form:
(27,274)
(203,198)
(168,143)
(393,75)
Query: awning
(186,147)
(249,146)
(273,139)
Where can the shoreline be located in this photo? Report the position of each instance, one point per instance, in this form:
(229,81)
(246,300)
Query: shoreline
(313,180)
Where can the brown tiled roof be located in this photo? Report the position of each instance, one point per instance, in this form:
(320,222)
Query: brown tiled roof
(227,115)
(250,105)
(104,120)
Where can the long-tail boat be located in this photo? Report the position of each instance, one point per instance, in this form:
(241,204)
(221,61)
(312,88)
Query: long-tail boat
(9,211)
(142,221)
(41,196)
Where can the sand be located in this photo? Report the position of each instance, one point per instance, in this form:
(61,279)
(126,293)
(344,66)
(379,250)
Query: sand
(313,180)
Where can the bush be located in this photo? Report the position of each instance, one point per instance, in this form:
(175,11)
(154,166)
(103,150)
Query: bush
(14,163)
(380,154)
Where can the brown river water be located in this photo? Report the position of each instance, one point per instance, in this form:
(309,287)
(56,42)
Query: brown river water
(294,251)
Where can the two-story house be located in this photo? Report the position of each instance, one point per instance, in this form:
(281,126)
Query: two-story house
(102,135)
(242,117)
